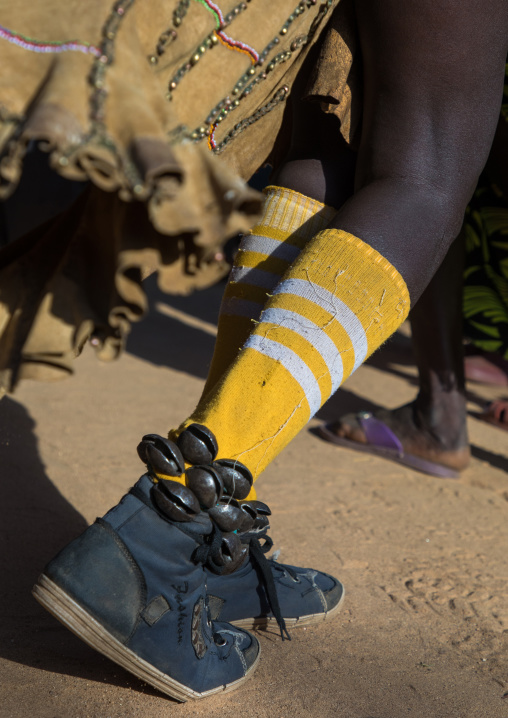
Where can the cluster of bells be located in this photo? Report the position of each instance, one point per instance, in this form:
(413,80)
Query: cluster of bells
(218,487)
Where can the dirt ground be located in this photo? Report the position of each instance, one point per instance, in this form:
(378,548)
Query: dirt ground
(424,628)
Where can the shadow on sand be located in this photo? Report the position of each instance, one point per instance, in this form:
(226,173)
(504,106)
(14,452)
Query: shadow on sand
(177,341)
(36,521)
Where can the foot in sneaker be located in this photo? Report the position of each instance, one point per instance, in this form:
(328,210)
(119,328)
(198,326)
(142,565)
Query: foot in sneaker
(129,588)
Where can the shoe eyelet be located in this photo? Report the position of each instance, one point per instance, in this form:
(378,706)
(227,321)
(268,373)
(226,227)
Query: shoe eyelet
(220,641)
(295,580)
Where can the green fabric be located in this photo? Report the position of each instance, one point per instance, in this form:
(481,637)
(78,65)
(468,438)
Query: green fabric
(485,300)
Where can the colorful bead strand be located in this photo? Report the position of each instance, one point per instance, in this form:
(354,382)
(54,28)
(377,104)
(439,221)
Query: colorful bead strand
(225,39)
(215,10)
(211,136)
(28,43)
(237,45)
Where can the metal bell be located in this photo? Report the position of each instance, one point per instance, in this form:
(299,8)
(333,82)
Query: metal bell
(236,477)
(262,513)
(232,553)
(261,523)
(176,501)
(227,515)
(250,517)
(161,455)
(260,507)
(197,444)
(206,485)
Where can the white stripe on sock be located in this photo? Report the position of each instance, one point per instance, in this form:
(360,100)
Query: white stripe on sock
(269,247)
(314,335)
(335,306)
(293,363)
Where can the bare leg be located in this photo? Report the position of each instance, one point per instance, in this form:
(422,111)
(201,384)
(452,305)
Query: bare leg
(424,143)
(433,426)
(410,194)
(423,147)
(320,164)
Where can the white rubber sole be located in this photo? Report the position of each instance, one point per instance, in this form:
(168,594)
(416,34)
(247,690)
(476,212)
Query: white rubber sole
(269,621)
(80,622)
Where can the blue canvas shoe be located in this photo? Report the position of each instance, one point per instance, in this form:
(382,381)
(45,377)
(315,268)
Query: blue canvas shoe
(246,597)
(133,587)
(259,592)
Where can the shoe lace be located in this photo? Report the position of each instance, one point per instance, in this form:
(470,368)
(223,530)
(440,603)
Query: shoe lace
(209,553)
(258,551)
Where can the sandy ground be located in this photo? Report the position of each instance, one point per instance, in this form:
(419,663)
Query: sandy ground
(423,631)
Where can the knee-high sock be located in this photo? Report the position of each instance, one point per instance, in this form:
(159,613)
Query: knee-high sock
(288,222)
(337,303)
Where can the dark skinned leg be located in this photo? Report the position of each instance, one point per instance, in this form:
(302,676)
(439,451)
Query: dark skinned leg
(422,150)
(436,322)
(424,143)
(433,426)
(424,139)
(320,164)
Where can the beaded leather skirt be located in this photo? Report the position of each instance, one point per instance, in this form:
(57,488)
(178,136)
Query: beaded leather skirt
(164,108)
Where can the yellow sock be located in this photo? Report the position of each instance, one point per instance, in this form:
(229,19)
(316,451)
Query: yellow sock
(288,222)
(335,305)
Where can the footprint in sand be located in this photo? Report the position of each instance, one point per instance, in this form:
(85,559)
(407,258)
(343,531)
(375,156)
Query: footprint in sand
(470,609)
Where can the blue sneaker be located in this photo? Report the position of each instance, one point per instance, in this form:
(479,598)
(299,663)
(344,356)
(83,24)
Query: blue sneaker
(263,592)
(250,591)
(133,587)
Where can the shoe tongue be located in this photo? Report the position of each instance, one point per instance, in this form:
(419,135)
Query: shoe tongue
(144,485)
(201,526)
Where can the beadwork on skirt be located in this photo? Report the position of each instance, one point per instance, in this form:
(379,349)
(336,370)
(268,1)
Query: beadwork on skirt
(166,109)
